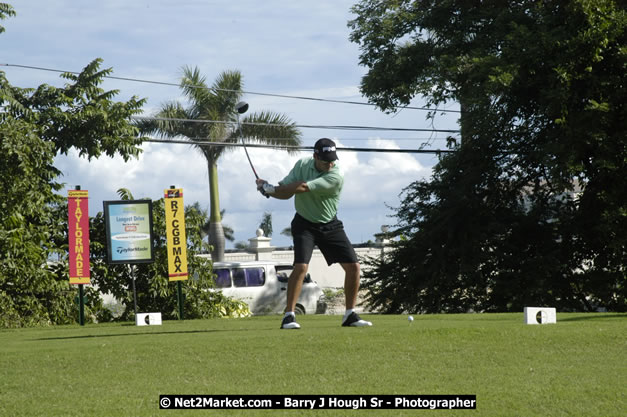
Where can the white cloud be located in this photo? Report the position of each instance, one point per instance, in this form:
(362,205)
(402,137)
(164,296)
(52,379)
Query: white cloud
(376,178)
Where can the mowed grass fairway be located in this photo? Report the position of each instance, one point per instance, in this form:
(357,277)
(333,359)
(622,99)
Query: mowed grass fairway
(577,367)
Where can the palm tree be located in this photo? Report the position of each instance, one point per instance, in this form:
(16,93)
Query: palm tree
(217,103)
(229,233)
(266,224)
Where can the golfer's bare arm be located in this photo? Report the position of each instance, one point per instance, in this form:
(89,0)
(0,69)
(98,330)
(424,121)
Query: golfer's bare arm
(287,191)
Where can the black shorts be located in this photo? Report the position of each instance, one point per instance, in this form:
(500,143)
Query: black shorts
(329,237)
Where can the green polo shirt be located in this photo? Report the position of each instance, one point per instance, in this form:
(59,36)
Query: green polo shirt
(319,205)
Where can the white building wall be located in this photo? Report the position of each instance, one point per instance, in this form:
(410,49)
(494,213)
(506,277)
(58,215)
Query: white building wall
(326,276)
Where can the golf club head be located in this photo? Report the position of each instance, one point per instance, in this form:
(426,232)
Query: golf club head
(241,107)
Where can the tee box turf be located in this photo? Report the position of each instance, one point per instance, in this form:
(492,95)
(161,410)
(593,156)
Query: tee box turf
(540,315)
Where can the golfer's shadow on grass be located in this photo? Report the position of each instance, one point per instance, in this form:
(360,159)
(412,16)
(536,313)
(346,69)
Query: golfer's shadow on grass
(89,336)
(594,316)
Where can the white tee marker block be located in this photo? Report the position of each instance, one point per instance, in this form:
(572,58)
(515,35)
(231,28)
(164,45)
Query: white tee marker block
(148,319)
(540,315)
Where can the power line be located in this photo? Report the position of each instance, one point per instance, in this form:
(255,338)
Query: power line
(200,142)
(138,80)
(332,127)
(383,138)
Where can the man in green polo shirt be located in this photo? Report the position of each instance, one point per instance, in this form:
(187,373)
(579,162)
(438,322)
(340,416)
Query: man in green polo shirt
(316,183)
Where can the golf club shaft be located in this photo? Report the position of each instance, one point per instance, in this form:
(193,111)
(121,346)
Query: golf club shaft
(249,161)
(245,149)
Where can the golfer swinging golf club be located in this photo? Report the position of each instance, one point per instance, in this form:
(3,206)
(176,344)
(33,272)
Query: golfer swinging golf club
(316,183)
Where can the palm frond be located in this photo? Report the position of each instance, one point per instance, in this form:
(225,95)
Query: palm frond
(270,129)
(227,91)
(194,86)
(125,194)
(165,128)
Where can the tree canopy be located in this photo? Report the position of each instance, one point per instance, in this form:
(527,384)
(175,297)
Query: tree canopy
(531,207)
(35,125)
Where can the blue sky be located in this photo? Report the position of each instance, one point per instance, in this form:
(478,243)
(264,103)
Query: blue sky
(297,48)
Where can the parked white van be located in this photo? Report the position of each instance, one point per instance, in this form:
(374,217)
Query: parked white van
(263,286)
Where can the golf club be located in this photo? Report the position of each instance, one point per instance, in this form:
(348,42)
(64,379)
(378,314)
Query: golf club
(241,108)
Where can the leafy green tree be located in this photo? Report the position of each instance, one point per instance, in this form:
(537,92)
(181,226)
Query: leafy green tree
(27,287)
(81,115)
(36,125)
(530,209)
(217,103)
(6,10)
(241,245)
(154,290)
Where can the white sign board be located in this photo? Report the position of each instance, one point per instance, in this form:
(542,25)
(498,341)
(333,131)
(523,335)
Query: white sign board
(148,319)
(540,315)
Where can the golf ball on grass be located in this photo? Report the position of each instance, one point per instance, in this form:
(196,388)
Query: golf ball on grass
(410,318)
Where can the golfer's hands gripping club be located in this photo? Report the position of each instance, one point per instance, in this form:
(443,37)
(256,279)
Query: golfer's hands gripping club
(265,188)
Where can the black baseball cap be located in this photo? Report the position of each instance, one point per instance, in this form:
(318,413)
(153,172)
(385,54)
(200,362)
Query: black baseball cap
(325,149)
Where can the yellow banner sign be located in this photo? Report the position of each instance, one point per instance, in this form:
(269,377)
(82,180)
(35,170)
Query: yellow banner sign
(175,233)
